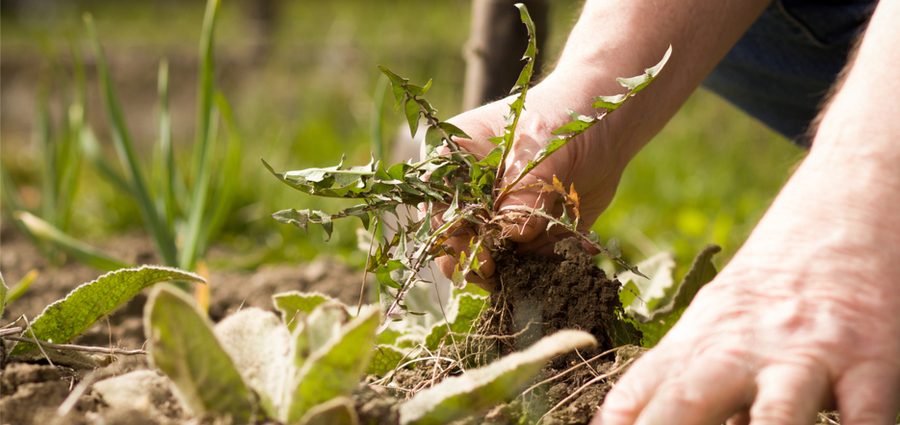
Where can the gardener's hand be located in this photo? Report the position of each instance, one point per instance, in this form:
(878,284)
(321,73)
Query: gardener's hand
(592,161)
(805,315)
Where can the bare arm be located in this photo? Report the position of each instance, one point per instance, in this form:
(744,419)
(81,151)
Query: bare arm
(612,39)
(805,313)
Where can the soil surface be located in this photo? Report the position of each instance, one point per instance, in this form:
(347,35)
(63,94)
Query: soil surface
(537,297)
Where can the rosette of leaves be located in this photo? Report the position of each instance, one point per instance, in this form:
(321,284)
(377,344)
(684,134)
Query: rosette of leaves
(448,182)
(254,366)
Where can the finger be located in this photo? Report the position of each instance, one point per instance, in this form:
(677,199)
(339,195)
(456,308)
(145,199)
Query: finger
(623,404)
(789,394)
(869,394)
(708,393)
(740,418)
(523,225)
(458,243)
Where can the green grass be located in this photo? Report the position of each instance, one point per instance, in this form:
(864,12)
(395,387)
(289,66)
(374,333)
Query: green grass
(707,178)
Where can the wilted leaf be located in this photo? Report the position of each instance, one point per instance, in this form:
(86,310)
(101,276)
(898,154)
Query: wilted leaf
(259,344)
(72,315)
(479,389)
(184,347)
(334,369)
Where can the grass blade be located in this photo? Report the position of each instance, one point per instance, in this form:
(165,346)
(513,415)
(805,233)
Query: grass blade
(205,136)
(230,172)
(124,146)
(44,137)
(87,254)
(167,154)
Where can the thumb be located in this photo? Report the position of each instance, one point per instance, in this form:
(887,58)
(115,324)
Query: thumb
(518,209)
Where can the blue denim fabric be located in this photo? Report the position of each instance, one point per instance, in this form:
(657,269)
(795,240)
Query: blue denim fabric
(783,67)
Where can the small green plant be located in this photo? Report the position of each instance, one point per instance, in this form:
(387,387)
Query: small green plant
(68,317)
(61,164)
(301,368)
(451,184)
(181,221)
(252,365)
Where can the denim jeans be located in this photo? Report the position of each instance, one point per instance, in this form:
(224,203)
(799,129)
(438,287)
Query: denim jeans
(781,70)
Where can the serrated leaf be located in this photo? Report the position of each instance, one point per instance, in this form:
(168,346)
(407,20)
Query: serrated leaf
(259,344)
(385,359)
(184,347)
(610,103)
(337,411)
(69,317)
(640,82)
(412,116)
(463,311)
(578,124)
(648,295)
(479,389)
(334,369)
(665,315)
(295,304)
(702,271)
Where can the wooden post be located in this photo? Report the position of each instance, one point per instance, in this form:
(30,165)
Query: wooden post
(494,51)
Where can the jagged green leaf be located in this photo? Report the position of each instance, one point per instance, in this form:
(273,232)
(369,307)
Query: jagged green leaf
(521,86)
(479,389)
(645,296)
(259,344)
(668,307)
(335,369)
(184,347)
(702,271)
(303,218)
(640,82)
(610,103)
(72,315)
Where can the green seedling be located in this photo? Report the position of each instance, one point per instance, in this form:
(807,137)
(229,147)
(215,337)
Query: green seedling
(67,318)
(450,184)
(253,366)
(61,164)
(166,206)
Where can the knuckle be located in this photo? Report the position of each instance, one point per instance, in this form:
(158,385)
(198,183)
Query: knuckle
(775,412)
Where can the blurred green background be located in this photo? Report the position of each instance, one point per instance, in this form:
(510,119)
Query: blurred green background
(302,76)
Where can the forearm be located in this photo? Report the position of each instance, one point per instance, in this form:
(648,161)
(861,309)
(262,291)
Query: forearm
(854,164)
(848,188)
(616,39)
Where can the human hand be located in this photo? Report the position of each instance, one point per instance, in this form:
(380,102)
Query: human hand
(593,161)
(804,317)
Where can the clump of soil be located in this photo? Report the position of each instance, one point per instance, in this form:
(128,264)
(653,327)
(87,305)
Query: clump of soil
(540,295)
